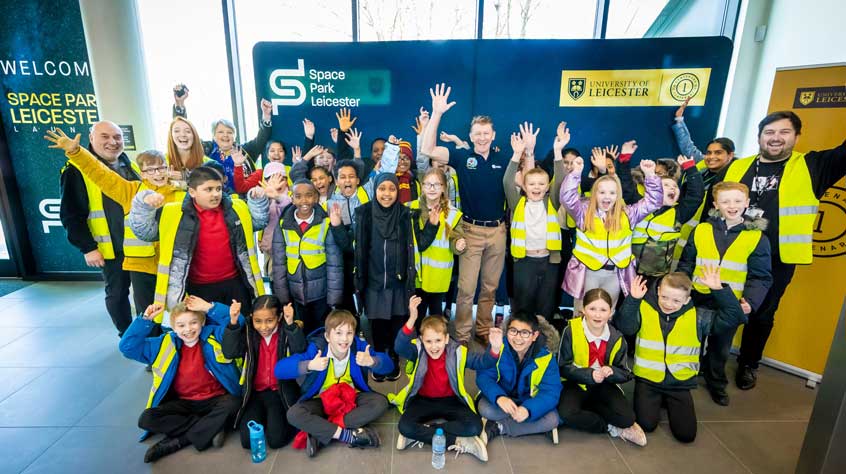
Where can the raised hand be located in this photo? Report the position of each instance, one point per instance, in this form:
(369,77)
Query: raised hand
(315,150)
(258,192)
(629,147)
(460,244)
(420,121)
(353,139)
(495,338)
(288,313)
(319,363)
(680,110)
(517,144)
(308,128)
(612,150)
(335,215)
(435,214)
(153,310)
(413,302)
(95,259)
(638,289)
(333,133)
(393,140)
(272,185)
(154,200)
(440,98)
(296,154)
(364,358)
(62,141)
(195,303)
(266,110)
(234,312)
(578,165)
(238,156)
(745,306)
(683,160)
(562,137)
(449,138)
(711,277)
(530,136)
(345,120)
(597,158)
(507,405)
(648,167)
(180,101)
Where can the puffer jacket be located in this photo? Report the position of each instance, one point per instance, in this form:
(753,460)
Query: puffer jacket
(144,222)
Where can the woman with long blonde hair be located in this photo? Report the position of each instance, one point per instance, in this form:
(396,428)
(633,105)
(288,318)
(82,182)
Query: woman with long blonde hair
(602,256)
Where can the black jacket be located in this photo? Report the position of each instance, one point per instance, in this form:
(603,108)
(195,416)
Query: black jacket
(243,342)
(620,364)
(73,211)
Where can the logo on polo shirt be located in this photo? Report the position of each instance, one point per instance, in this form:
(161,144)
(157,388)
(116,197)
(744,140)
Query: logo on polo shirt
(472,163)
(496,167)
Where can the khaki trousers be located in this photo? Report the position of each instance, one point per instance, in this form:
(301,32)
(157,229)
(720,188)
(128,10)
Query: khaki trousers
(484,257)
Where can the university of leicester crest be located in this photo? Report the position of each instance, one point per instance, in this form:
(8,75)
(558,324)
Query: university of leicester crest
(806,97)
(576,87)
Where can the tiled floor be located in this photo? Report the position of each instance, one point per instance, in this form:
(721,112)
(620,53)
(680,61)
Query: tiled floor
(69,402)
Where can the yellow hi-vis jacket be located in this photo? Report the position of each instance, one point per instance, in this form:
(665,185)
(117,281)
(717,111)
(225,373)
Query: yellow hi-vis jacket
(679,353)
(597,247)
(733,264)
(518,229)
(436,262)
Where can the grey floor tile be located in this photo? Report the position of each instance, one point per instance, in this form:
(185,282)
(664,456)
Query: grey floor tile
(10,334)
(664,454)
(93,450)
(19,447)
(61,347)
(123,406)
(780,451)
(340,459)
(578,451)
(231,458)
(413,460)
(15,378)
(55,312)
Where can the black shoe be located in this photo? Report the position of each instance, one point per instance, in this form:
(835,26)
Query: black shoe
(312,446)
(394,375)
(719,396)
(377,378)
(746,377)
(365,438)
(491,430)
(218,439)
(161,449)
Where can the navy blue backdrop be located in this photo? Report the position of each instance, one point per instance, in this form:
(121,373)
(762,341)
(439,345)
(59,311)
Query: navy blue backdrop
(510,80)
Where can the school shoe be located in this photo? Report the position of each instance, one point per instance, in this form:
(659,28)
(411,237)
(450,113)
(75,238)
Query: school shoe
(161,449)
(312,446)
(365,437)
(403,442)
(719,396)
(377,378)
(470,445)
(746,377)
(633,434)
(395,374)
(490,430)
(218,439)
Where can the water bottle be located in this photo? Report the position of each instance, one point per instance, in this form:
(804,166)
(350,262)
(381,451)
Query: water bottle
(258,447)
(438,449)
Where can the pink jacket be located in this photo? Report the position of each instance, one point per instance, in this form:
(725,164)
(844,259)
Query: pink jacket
(574,278)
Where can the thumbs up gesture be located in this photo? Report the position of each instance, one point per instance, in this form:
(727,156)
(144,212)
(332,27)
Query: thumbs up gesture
(288,313)
(364,358)
(319,363)
(234,312)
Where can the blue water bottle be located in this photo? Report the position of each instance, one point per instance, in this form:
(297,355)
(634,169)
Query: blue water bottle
(258,447)
(438,449)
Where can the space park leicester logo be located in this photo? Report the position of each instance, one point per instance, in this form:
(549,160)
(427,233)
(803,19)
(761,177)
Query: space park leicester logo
(332,87)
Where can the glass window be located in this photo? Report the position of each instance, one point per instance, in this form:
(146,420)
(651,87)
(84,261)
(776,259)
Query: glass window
(538,19)
(184,43)
(285,20)
(394,20)
(667,19)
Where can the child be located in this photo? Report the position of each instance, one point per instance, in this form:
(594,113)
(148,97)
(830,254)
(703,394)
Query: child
(655,237)
(602,256)
(670,331)
(195,388)
(261,343)
(140,257)
(736,243)
(307,264)
(385,273)
(436,387)
(275,154)
(521,393)
(335,359)
(535,234)
(436,262)
(276,181)
(207,242)
(592,360)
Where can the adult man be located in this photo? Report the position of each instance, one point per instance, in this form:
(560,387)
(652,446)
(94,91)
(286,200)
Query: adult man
(785,189)
(480,173)
(94,222)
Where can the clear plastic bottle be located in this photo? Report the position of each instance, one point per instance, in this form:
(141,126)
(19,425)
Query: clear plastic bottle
(438,449)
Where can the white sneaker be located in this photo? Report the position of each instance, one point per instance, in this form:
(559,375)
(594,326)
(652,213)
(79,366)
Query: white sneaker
(403,442)
(634,434)
(554,436)
(471,445)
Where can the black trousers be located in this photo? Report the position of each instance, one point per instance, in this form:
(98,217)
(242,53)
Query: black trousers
(311,314)
(385,333)
(143,290)
(715,359)
(760,325)
(348,298)
(308,415)
(534,286)
(266,408)
(453,285)
(198,421)
(431,303)
(592,410)
(224,292)
(420,411)
(117,293)
(681,414)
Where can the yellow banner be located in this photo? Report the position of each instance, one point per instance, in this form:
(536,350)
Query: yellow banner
(634,87)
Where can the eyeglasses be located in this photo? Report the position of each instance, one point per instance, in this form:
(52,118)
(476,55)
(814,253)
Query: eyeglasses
(524,333)
(432,185)
(160,169)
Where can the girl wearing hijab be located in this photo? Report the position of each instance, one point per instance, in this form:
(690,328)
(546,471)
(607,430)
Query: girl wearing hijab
(385,273)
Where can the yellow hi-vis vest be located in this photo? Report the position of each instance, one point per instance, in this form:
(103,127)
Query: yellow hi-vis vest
(732,265)
(661,228)
(164,358)
(518,229)
(679,354)
(132,245)
(688,226)
(599,246)
(401,397)
(535,379)
(454,178)
(331,380)
(581,351)
(311,248)
(797,207)
(436,262)
(169,223)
